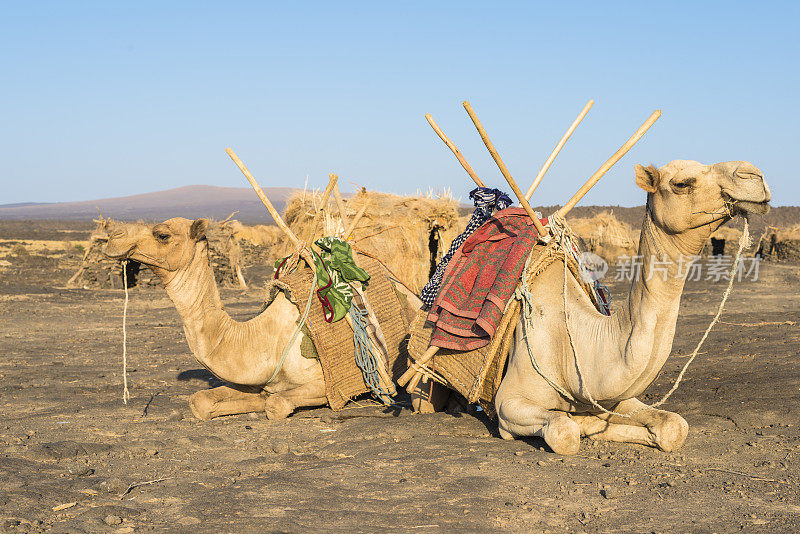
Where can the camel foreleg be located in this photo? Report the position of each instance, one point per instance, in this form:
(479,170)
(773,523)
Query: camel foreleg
(281,404)
(520,417)
(226,400)
(646,426)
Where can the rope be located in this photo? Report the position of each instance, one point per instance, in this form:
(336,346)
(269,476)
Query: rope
(743,242)
(365,359)
(125,393)
(558,225)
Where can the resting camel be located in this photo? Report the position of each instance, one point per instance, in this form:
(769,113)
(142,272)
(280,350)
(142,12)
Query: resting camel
(620,355)
(243,354)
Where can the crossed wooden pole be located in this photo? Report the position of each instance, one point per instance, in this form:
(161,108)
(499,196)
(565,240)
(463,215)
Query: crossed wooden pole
(410,379)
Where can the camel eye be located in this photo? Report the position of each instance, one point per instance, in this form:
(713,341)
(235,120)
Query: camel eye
(683,186)
(161,236)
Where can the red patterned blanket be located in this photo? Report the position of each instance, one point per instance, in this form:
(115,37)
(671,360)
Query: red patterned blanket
(480,279)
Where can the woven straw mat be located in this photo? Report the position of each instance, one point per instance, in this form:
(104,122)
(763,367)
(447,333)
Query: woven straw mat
(334,341)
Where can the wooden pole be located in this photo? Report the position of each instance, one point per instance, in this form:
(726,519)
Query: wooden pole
(340,203)
(455,150)
(354,222)
(609,163)
(557,149)
(412,371)
(503,169)
(270,208)
(326,195)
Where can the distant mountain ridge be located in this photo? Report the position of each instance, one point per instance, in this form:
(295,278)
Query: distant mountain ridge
(191,201)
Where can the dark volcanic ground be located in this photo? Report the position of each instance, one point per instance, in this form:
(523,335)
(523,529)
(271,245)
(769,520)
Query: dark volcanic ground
(73,456)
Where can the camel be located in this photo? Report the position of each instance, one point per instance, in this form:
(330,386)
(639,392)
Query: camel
(242,354)
(620,355)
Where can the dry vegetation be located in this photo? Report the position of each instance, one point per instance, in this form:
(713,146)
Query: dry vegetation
(407,233)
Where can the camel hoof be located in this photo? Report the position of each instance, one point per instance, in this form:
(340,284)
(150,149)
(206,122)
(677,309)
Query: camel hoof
(563,435)
(278,407)
(671,434)
(201,406)
(505,434)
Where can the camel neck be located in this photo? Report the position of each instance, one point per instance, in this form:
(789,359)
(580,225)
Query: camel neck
(193,291)
(654,298)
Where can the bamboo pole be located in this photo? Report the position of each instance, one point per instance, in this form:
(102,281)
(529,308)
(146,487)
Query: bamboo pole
(609,163)
(340,202)
(326,195)
(355,220)
(504,170)
(412,371)
(454,149)
(270,208)
(557,149)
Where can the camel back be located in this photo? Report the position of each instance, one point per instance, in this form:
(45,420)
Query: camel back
(476,374)
(334,341)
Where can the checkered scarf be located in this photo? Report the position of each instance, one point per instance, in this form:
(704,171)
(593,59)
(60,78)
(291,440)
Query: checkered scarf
(487,202)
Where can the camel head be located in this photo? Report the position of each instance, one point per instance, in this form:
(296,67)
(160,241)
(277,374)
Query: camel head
(685,196)
(164,247)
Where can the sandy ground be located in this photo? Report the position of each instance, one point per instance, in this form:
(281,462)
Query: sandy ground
(73,458)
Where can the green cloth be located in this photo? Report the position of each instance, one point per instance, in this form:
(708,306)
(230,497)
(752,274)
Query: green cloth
(336,262)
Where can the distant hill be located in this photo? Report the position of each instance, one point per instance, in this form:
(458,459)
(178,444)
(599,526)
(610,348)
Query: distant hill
(191,201)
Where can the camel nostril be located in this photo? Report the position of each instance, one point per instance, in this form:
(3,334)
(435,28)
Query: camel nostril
(748,171)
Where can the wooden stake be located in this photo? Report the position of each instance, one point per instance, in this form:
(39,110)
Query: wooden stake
(503,169)
(609,163)
(412,371)
(270,208)
(340,202)
(326,195)
(355,220)
(454,149)
(557,149)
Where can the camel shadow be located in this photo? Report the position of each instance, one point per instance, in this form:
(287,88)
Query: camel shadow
(202,375)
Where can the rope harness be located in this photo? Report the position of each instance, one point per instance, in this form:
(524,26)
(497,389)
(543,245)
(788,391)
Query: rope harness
(562,234)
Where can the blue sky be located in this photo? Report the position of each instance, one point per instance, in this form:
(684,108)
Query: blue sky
(111,98)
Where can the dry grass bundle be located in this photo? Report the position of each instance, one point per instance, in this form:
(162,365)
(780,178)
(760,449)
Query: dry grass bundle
(407,233)
(606,236)
(260,234)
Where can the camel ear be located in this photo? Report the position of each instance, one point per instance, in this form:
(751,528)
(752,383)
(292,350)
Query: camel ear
(647,178)
(198,229)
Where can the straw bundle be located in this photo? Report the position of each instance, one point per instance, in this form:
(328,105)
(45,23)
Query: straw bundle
(606,236)
(407,233)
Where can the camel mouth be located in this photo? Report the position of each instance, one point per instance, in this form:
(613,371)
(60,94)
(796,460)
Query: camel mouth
(744,207)
(109,252)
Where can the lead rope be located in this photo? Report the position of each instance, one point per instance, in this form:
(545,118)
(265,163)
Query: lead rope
(125,393)
(524,292)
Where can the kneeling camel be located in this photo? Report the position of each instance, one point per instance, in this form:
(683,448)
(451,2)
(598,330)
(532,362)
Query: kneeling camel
(620,355)
(243,354)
